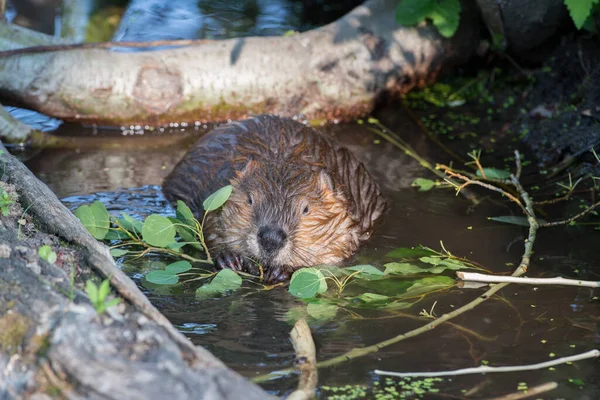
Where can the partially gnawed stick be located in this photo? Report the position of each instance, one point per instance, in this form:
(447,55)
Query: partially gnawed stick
(306,361)
(476,277)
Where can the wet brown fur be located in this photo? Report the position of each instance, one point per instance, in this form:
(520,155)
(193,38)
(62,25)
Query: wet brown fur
(283,167)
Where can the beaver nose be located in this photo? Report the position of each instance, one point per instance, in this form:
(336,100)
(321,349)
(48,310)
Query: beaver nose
(271,239)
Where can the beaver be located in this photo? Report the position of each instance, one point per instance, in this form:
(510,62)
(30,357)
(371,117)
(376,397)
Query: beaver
(299,197)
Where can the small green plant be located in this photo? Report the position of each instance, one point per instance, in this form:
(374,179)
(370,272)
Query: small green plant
(99,294)
(46,253)
(6,201)
(414,273)
(444,14)
(581,12)
(163,235)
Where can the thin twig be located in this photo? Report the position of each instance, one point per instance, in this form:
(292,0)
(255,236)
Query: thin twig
(477,277)
(573,218)
(468,181)
(485,369)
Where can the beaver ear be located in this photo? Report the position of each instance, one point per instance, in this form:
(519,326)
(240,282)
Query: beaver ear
(326,182)
(248,168)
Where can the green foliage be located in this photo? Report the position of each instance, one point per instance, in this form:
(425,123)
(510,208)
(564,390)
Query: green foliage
(217,199)
(6,201)
(307,282)
(225,281)
(445,14)
(423,184)
(493,173)
(580,10)
(95,219)
(99,295)
(46,253)
(158,231)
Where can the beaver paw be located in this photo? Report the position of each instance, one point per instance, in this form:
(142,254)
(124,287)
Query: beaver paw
(227,260)
(277,275)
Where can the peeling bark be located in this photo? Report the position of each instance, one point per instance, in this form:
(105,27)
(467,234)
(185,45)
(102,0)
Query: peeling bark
(334,72)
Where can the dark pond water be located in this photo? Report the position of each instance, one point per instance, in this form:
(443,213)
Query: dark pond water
(249,329)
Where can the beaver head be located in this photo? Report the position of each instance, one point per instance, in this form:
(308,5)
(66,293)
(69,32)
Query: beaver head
(285,216)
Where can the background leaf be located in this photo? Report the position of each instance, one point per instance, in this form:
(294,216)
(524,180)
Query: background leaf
(423,184)
(130,223)
(322,312)
(411,12)
(580,10)
(118,252)
(446,16)
(405,252)
(493,173)
(367,272)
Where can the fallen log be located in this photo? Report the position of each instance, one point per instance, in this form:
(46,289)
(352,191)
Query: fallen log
(338,71)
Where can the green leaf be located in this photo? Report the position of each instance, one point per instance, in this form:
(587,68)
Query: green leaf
(396,268)
(176,245)
(187,231)
(130,223)
(95,219)
(103,290)
(223,282)
(307,282)
(411,12)
(580,10)
(367,272)
(118,252)
(511,219)
(113,302)
(162,277)
(493,173)
(446,17)
(92,291)
(185,215)
(439,265)
(427,285)
(178,267)
(373,297)
(217,199)
(322,312)
(405,252)
(46,253)
(423,184)
(397,305)
(115,235)
(158,231)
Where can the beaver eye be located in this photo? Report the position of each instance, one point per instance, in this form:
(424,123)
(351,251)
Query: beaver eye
(305,210)
(249,200)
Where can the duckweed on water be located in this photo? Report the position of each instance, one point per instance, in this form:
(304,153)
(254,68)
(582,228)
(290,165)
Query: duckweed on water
(390,389)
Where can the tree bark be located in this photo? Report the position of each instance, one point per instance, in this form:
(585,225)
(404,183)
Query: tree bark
(334,72)
(51,341)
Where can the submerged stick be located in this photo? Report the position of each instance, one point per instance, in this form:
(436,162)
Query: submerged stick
(306,361)
(476,277)
(530,392)
(484,369)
